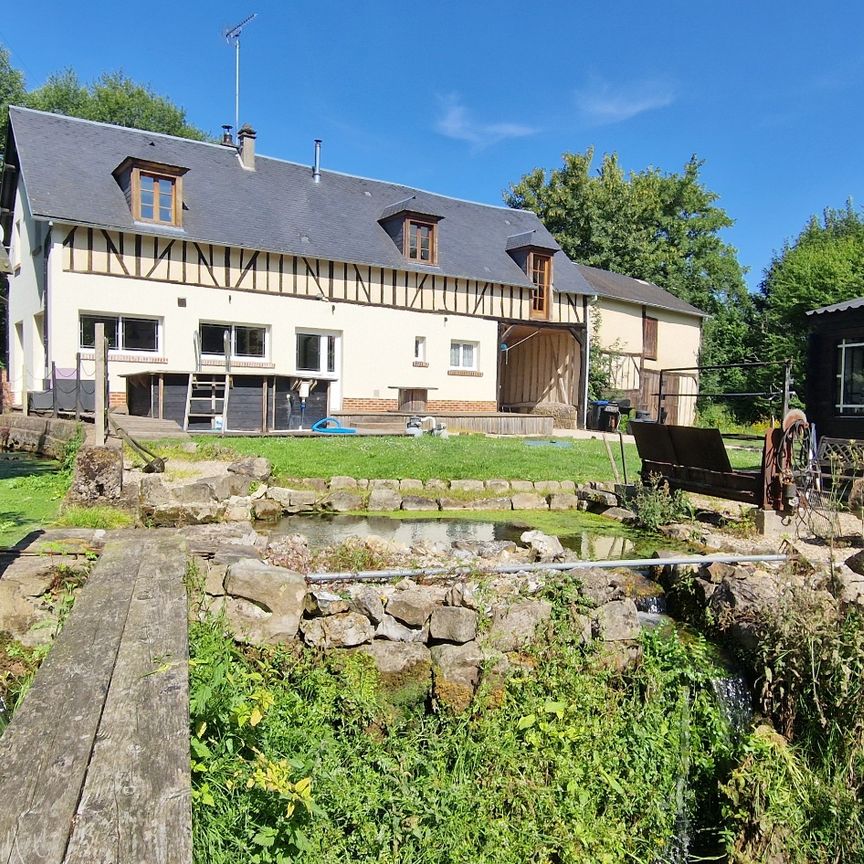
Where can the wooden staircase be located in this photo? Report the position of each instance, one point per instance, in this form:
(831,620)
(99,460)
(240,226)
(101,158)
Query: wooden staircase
(207,399)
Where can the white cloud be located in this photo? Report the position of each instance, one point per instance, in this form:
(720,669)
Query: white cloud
(457,123)
(601,102)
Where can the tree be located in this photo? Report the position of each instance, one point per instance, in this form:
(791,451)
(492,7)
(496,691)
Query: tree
(664,228)
(11,93)
(113,98)
(824,265)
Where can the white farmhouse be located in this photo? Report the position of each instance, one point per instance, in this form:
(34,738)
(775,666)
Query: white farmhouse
(240,292)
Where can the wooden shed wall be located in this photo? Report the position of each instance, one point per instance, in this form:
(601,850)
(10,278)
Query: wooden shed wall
(545,368)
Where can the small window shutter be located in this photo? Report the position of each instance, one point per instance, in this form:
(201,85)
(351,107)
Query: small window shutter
(649,338)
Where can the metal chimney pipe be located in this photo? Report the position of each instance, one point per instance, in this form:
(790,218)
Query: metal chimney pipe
(316,165)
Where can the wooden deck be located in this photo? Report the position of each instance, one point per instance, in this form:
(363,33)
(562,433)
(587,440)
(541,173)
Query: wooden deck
(95,764)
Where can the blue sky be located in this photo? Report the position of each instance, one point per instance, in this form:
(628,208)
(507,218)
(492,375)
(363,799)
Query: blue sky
(464,98)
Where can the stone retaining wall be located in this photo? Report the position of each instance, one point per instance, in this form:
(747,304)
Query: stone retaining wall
(245,493)
(41,435)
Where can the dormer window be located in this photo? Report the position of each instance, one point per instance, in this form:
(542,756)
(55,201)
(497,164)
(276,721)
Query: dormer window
(153,191)
(156,198)
(541,276)
(420,241)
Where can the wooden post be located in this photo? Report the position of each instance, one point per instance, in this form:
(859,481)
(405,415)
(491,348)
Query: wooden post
(54,387)
(78,386)
(99,388)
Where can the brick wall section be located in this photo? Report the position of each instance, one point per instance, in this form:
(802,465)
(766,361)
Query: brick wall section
(376,406)
(116,400)
(5,390)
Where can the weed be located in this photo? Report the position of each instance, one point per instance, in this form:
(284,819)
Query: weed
(94,516)
(655,505)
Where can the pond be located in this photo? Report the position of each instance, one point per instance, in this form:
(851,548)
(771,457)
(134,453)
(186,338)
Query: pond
(590,537)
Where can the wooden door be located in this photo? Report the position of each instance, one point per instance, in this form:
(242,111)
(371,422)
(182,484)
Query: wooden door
(413,401)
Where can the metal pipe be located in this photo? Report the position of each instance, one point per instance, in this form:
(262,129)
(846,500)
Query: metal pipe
(316,165)
(633,563)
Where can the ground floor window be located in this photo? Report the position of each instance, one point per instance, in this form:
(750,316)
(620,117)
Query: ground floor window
(420,349)
(242,340)
(316,352)
(123,332)
(463,355)
(850,377)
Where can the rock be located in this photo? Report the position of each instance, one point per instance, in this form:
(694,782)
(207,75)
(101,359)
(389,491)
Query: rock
(278,592)
(856,496)
(466,486)
(238,509)
(717,571)
(856,563)
(21,617)
(404,670)
(521,485)
(456,673)
(391,485)
(547,487)
(260,492)
(280,494)
(618,657)
(194,493)
(340,482)
(417,502)
(413,605)
(492,504)
(342,501)
(563,501)
(620,514)
(597,496)
(396,631)
(216,537)
(98,474)
(528,501)
(343,630)
(453,624)
(304,499)
(583,626)
(32,576)
(290,551)
(545,546)
(513,627)
(214,581)
(256,467)
(309,484)
(568,486)
(410,485)
(319,602)
(435,485)
(227,485)
(595,585)
(384,499)
(152,492)
(368,602)
(680,531)
(267,510)
(463,594)
(498,486)
(485,548)
(617,621)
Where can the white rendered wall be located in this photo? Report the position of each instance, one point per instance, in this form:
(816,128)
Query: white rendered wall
(377,344)
(27,360)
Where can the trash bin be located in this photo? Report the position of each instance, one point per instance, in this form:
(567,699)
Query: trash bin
(609,417)
(596,412)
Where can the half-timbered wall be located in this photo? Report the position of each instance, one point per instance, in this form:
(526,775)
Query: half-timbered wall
(179,261)
(543,368)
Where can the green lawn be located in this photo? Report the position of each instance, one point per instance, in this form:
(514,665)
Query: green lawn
(31,491)
(459,457)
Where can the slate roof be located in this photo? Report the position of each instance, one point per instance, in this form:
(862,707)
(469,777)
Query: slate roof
(855,303)
(66,164)
(616,286)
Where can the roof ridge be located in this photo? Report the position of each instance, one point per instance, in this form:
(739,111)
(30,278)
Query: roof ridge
(25,109)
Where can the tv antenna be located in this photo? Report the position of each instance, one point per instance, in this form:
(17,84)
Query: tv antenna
(234,33)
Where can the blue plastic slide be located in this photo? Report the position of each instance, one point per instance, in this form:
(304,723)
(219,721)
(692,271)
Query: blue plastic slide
(336,429)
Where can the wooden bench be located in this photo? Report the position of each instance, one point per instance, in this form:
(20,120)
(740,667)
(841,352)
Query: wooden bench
(94,766)
(840,460)
(694,460)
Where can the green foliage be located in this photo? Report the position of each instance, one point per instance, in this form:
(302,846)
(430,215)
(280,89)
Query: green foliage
(824,265)
(94,516)
(112,98)
(11,93)
(575,764)
(31,492)
(18,665)
(655,505)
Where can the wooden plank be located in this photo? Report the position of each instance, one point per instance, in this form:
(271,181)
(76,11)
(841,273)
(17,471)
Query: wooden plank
(45,751)
(136,803)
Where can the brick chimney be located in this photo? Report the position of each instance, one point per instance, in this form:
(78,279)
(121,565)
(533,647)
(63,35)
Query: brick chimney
(246,137)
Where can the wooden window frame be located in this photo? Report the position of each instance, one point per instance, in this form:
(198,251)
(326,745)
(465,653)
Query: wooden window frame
(433,240)
(158,174)
(649,350)
(120,332)
(538,263)
(265,357)
(475,354)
